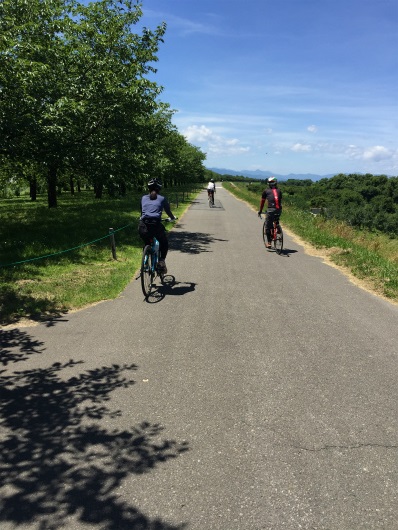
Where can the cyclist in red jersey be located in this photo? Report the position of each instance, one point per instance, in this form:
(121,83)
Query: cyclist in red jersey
(273,196)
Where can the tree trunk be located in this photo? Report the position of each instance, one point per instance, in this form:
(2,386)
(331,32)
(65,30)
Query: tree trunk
(72,186)
(79,189)
(98,190)
(52,187)
(33,188)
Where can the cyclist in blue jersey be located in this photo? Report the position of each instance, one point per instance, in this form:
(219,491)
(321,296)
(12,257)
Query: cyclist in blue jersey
(152,206)
(273,196)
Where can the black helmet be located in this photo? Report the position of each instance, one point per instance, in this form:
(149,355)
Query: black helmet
(211,180)
(154,184)
(272,181)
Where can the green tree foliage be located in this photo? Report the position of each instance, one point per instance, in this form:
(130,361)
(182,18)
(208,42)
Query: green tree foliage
(182,161)
(365,201)
(75,93)
(233,178)
(209,174)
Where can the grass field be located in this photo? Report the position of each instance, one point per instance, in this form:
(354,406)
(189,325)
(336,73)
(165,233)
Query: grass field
(79,268)
(369,256)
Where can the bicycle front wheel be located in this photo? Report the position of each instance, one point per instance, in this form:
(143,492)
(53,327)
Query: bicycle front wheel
(146,271)
(278,241)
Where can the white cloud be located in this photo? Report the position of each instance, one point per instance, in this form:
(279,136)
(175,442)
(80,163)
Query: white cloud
(185,26)
(376,153)
(312,128)
(193,133)
(212,142)
(301,147)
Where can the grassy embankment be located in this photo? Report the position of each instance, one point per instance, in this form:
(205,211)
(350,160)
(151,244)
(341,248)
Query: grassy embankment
(369,256)
(68,279)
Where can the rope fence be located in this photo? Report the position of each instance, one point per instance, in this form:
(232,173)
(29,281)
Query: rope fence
(110,235)
(174,198)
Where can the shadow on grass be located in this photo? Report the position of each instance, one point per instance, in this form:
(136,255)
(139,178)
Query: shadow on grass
(57,461)
(14,305)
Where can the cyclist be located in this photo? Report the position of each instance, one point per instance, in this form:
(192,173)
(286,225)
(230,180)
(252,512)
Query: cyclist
(273,196)
(152,206)
(211,189)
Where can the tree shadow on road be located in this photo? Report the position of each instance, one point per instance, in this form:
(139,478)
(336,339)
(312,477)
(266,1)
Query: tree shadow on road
(192,242)
(15,338)
(57,461)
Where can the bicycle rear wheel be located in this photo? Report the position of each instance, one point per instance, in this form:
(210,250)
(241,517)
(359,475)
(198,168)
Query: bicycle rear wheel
(146,271)
(278,241)
(265,234)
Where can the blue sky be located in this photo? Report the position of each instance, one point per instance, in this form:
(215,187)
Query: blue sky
(289,86)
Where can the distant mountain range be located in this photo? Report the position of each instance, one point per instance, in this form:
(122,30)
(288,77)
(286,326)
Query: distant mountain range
(261,175)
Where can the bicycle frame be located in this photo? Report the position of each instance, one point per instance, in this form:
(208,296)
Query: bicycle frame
(210,198)
(276,234)
(274,229)
(149,264)
(155,254)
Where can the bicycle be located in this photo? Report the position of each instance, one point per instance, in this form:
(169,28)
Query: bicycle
(149,264)
(210,198)
(276,234)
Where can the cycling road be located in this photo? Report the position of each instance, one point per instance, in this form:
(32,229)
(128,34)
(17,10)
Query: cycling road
(257,391)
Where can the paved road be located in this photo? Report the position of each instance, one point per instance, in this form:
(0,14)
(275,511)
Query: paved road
(257,392)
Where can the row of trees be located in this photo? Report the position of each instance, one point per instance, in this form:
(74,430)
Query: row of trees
(77,103)
(365,201)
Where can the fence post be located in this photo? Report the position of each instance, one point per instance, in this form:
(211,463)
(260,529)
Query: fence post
(177,200)
(113,243)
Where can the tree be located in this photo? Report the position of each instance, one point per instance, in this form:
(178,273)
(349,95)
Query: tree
(181,161)
(73,84)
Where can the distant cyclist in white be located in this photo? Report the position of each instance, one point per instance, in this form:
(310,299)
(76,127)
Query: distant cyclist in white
(211,189)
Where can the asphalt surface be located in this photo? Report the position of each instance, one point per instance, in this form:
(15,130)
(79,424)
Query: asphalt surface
(257,391)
